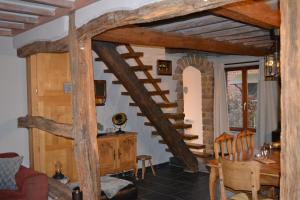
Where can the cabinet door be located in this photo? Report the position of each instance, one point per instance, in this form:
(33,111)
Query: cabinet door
(107,155)
(127,153)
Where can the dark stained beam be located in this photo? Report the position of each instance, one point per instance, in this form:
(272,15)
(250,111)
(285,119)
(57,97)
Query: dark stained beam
(59,129)
(11,7)
(257,13)
(142,36)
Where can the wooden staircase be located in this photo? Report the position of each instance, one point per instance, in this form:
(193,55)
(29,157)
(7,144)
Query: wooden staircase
(175,120)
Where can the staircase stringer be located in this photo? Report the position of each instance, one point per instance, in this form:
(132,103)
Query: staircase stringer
(138,92)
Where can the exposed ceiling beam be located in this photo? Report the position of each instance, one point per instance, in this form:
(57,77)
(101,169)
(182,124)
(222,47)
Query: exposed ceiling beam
(18,18)
(57,3)
(11,25)
(142,36)
(12,7)
(257,13)
(5,32)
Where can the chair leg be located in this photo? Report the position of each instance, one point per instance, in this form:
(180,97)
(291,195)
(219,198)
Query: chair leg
(143,169)
(153,171)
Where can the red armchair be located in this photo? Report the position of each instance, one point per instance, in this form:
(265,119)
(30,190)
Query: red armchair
(32,185)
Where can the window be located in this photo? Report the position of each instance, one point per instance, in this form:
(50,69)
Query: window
(242,97)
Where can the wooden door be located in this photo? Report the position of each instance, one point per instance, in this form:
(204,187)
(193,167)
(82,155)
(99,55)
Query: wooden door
(107,147)
(127,152)
(47,74)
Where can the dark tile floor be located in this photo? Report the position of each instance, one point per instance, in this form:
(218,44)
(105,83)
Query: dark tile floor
(172,183)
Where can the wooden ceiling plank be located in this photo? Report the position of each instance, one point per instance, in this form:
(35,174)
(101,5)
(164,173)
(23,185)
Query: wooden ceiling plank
(244,35)
(257,13)
(56,3)
(5,32)
(190,23)
(11,25)
(142,36)
(210,28)
(251,39)
(11,7)
(231,31)
(18,18)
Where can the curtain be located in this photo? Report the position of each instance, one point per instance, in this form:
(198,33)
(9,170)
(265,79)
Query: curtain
(221,122)
(267,108)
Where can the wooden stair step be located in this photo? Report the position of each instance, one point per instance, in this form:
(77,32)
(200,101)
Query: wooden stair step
(132,55)
(176,125)
(144,81)
(184,136)
(134,68)
(169,115)
(201,154)
(152,93)
(195,145)
(162,105)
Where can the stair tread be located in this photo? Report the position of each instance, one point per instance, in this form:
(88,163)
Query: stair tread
(195,145)
(202,154)
(184,136)
(162,105)
(155,80)
(169,115)
(152,93)
(134,68)
(176,125)
(132,55)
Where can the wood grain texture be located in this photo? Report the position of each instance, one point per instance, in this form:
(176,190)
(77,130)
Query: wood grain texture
(142,36)
(58,190)
(140,95)
(167,9)
(17,18)
(290,107)
(59,129)
(26,9)
(11,25)
(257,13)
(84,114)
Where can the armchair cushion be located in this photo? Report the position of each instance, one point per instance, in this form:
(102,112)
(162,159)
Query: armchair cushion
(8,168)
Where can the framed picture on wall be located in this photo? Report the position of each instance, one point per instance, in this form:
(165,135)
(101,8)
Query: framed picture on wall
(100,92)
(164,67)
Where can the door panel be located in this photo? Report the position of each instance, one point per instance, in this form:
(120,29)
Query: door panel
(49,72)
(127,153)
(107,148)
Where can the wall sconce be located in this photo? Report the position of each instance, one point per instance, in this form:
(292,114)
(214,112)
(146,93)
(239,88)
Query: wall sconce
(272,61)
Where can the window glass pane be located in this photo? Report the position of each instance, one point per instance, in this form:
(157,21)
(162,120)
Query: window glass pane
(234,92)
(252,78)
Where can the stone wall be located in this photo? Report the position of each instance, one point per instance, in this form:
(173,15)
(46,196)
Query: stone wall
(207,74)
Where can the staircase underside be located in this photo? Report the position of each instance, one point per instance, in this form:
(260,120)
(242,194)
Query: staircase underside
(142,97)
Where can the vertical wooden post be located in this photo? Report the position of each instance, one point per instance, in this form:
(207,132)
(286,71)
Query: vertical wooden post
(290,106)
(84,114)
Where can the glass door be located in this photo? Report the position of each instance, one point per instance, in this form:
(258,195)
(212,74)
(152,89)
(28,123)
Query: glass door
(242,97)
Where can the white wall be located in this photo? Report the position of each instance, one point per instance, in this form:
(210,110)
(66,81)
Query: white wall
(13,102)
(147,144)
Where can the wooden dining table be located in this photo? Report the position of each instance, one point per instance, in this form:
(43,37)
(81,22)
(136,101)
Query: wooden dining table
(269,173)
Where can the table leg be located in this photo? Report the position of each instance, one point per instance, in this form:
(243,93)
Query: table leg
(212,182)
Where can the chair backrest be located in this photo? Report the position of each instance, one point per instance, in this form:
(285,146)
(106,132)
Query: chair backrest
(224,145)
(244,144)
(239,175)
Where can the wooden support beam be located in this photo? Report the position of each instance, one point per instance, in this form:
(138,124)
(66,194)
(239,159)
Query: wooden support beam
(142,36)
(5,32)
(12,7)
(57,3)
(11,25)
(84,114)
(257,13)
(59,129)
(290,107)
(140,95)
(18,18)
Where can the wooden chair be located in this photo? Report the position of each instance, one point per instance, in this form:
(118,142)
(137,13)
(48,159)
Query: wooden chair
(239,176)
(244,145)
(225,145)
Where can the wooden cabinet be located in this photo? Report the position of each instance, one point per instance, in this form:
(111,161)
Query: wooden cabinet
(117,153)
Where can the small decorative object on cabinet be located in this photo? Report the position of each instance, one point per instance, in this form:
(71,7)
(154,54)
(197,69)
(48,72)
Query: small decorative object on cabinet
(117,152)
(100,92)
(119,120)
(164,67)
